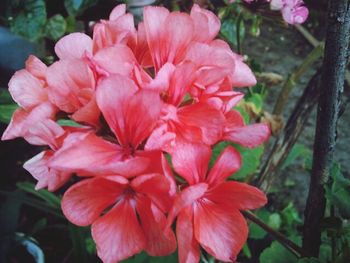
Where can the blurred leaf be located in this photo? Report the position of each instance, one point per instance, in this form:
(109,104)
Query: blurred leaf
(339,192)
(38,226)
(229,30)
(30,21)
(6,112)
(255,231)
(69,123)
(5,97)
(250,161)
(56,27)
(275,221)
(246,251)
(77,7)
(275,253)
(255,101)
(79,235)
(144,258)
(290,218)
(308,260)
(298,150)
(43,194)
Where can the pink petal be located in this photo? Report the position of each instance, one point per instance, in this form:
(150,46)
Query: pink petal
(185,199)
(36,67)
(237,195)
(84,202)
(248,136)
(162,80)
(91,155)
(90,114)
(142,51)
(228,162)
(221,232)
(118,234)
(206,24)
(117,11)
(210,120)
(188,247)
(191,161)
(156,187)
(159,242)
(46,177)
(243,75)
(69,83)
(27,90)
(115,60)
(74,45)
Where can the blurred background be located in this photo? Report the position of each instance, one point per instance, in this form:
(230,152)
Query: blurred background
(33,228)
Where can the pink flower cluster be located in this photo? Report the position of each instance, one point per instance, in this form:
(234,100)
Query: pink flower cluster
(137,96)
(293,11)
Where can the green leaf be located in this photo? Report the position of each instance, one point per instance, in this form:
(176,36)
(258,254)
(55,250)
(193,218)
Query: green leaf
(298,150)
(30,21)
(38,226)
(69,123)
(6,112)
(275,253)
(56,27)
(255,231)
(79,235)
(308,260)
(77,7)
(257,101)
(290,218)
(229,30)
(43,194)
(250,161)
(275,221)
(5,97)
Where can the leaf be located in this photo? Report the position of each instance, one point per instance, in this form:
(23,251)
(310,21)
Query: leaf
(77,7)
(339,192)
(290,218)
(38,226)
(255,231)
(298,151)
(250,161)
(30,21)
(275,221)
(5,97)
(308,260)
(56,27)
(43,194)
(79,235)
(70,123)
(275,253)
(6,112)
(229,30)
(144,258)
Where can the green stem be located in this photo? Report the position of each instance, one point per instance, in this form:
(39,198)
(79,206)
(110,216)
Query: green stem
(282,239)
(294,77)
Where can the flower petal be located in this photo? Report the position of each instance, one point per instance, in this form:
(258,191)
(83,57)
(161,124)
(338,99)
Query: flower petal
(36,67)
(117,12)
(159,242)
(118,234)
(243,75)
(27,90)
(228,162)
(46,177)
(191,161)
(188,247)
(83,203)
(73,45)
(237,195)
(221,232)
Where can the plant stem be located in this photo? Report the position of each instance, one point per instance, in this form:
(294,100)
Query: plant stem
(238,33)
(334,65)
(287,243)
(290,133)
(294,77)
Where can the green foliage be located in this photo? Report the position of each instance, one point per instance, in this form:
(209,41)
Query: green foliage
(77,7)
(250,161)
(81,237)
(56,27)
(70,123)
(30,20)
(275,253)
(7,106)
(298,151)
(144,258)
(338,193)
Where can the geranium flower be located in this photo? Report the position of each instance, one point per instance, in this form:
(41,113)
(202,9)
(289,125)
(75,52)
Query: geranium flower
(207,210)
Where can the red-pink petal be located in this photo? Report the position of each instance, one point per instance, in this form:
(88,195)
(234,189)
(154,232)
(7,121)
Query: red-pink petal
(191,161)
(228,162)
(117,12)
(237,195)
(249,136)
(89,113)
(118,234)
(206,24)
(221,232)
(27,90)
(243,75)
(159,241)
(73,46)
(46,177)
(188,247)
(186,198)
(83,203)
(36,67)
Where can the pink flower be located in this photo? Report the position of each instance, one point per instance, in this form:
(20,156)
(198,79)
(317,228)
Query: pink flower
(136,220)
(293,11)
(207,210)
